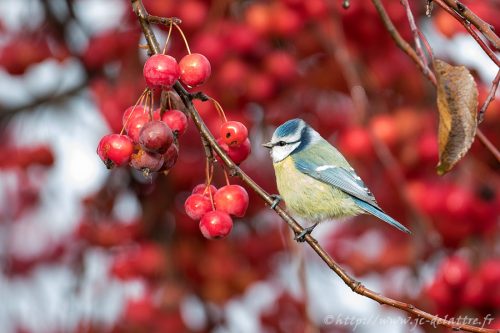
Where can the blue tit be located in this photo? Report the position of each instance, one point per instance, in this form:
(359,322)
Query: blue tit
(315,180)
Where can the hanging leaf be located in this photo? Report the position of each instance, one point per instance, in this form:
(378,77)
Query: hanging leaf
(457,105)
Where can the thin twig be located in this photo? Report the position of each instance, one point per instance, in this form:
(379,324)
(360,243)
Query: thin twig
(489,98)
(234,170)
(488,144)
(471,31)
(401,43)
(468,15)
(415,31)
(163,20)
(52,97)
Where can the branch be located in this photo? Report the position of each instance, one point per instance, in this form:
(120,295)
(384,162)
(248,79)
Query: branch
(415,31)
(356,286)
(403,45)
(471,17)
(467,26)
(491,96)
(52,97)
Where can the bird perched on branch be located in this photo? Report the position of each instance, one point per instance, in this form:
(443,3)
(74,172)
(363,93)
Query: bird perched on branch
(316,181)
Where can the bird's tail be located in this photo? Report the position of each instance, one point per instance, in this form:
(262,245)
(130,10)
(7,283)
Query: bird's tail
(380,214)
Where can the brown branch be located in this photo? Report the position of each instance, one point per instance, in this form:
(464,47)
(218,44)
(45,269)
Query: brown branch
(489,98)
(415,31)
(52,97)
(163,20)
(488,144)
(467,26)
(356,286)
(403,45)
(485,28)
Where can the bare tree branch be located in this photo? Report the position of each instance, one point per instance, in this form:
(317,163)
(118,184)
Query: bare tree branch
(489,98)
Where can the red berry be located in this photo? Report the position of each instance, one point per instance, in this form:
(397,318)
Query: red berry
(132,112)
(216,224)
(240,153)
(170,157)
(195,69)
(115,149)
(156,137)
(176,120)
(236,154)
(135,125)
(232,199)
(197,205)
(146,162)
(161,70)
(233,133)
(204,189)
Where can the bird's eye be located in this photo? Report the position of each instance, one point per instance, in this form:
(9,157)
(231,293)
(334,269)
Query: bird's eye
(281,143)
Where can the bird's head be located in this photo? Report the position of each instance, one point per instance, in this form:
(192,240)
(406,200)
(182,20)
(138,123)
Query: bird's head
(291,137)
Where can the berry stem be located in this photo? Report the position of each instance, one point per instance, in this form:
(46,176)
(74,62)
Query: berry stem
(209,172)
(227,177)
(219,109)
(168,38)
(183,37)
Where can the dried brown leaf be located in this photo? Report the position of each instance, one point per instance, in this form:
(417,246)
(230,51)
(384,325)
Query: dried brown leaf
(457,101)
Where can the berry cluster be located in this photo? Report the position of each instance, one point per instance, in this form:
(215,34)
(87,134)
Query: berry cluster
(150,143)
(213,208)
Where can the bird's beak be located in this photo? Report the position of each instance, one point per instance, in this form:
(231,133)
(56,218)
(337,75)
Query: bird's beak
(268,145)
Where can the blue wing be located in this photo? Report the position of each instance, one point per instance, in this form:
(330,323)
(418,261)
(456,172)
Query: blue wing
(349,182)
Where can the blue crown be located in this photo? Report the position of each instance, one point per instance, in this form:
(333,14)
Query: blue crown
(288,127)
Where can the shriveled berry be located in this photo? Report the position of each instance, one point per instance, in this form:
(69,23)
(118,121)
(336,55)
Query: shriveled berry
(204,189)
(146,162)
(176,120)
(233,133)
(135,126)
(197,205)
(195,69)
(170,157)
(156,137)
(232,199)
(161,70)
(216,224)
(115,149)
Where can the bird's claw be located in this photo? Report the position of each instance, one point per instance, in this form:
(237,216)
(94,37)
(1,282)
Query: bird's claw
(301,237)
(276,201)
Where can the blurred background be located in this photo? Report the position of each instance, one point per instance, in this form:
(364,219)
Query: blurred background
(86,249)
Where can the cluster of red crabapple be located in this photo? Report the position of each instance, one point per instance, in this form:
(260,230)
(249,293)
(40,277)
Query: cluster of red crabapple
(149,142)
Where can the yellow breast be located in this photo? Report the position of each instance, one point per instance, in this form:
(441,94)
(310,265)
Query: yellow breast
(309,198)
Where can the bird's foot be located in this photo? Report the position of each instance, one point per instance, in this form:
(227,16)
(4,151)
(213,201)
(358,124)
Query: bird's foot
(276,201)
(301,237)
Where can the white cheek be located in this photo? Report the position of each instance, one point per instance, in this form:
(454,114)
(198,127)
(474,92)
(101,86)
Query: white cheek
(280,153)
